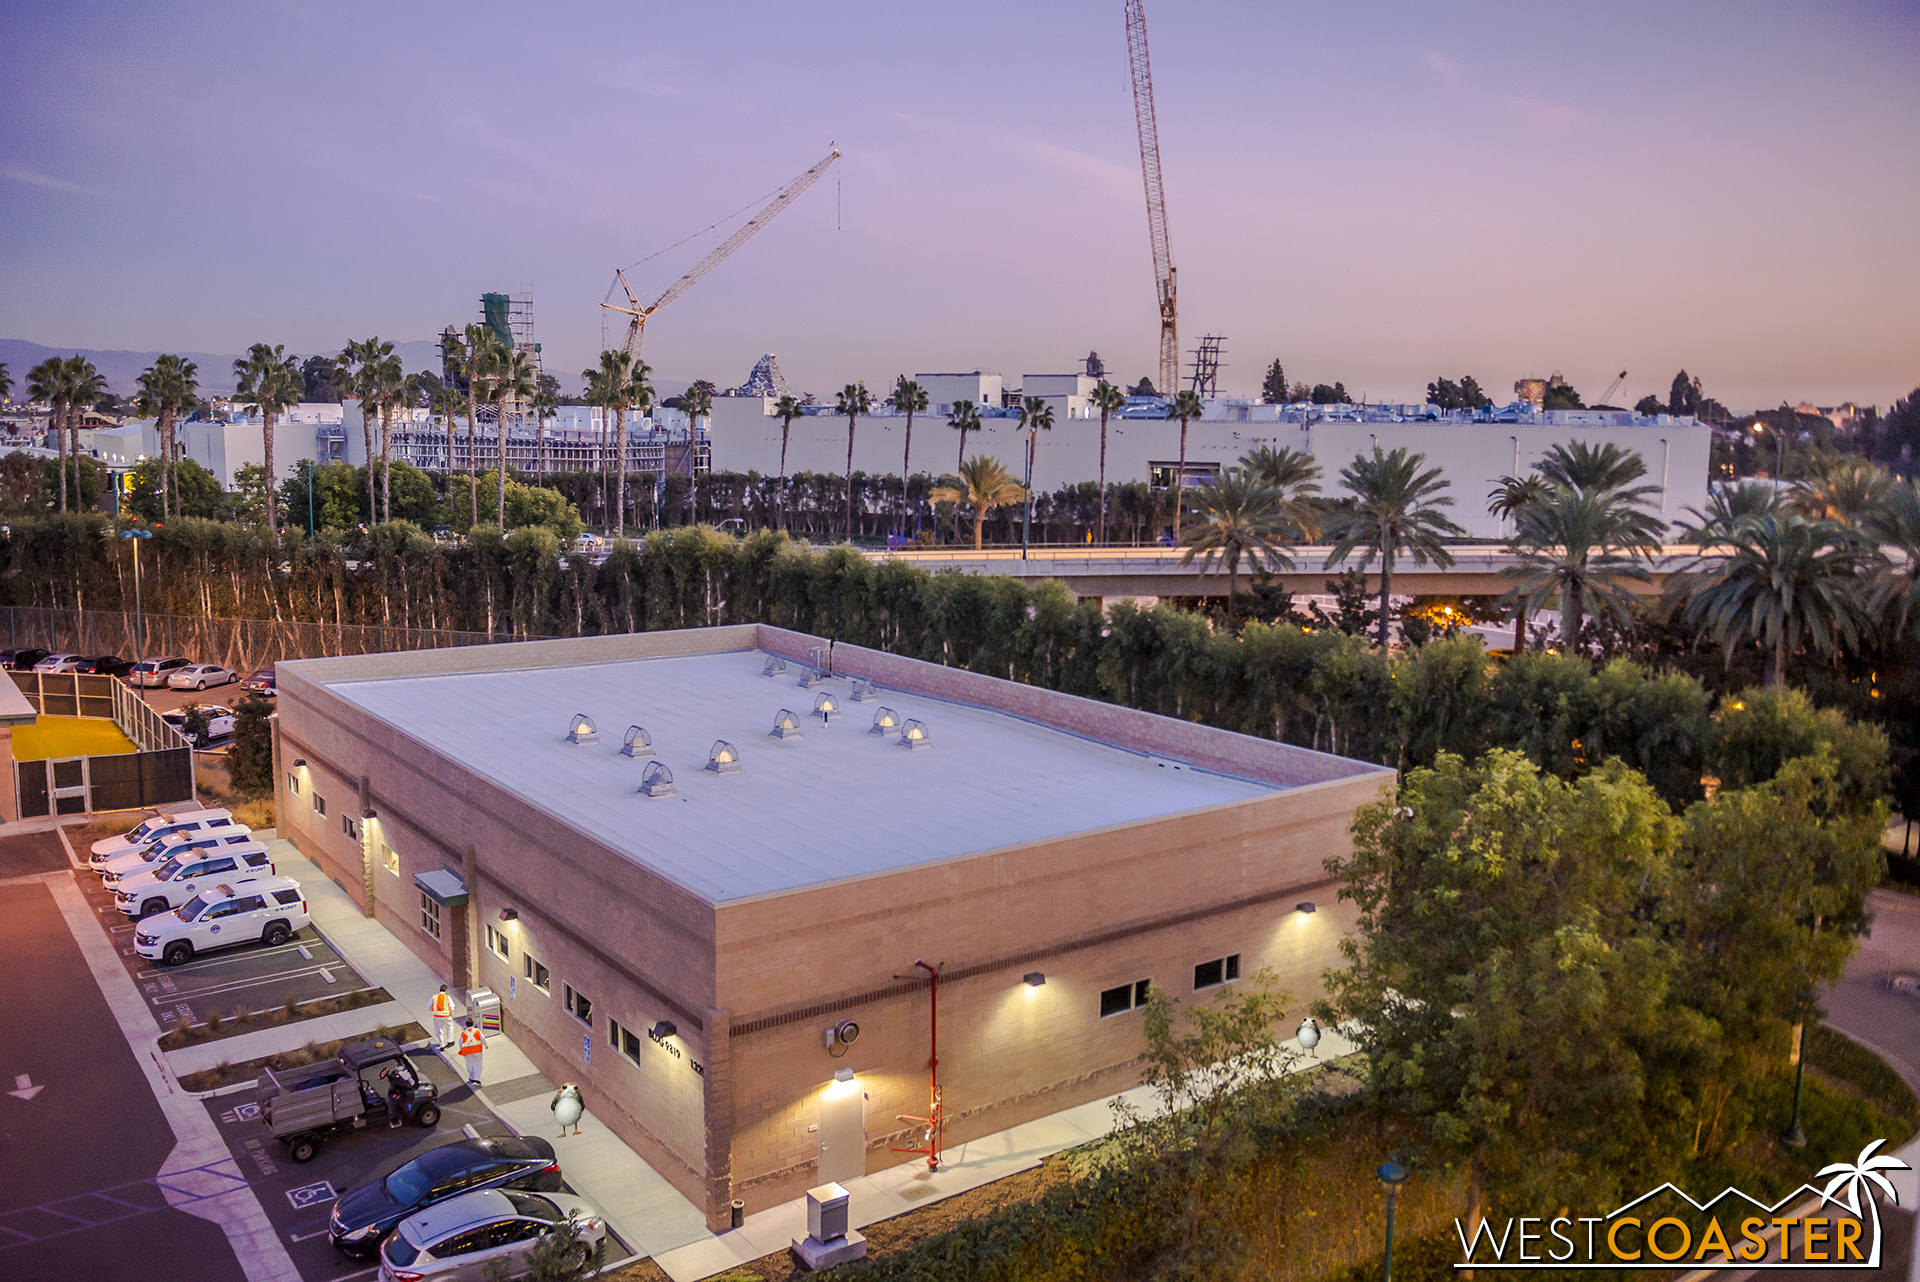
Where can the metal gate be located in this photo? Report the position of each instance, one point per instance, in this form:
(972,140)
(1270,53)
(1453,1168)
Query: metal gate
(69,785)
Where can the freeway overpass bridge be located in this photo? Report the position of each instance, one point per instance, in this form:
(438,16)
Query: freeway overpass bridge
(1478,569)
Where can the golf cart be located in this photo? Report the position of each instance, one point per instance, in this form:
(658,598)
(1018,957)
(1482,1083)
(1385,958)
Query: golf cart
(371,1083)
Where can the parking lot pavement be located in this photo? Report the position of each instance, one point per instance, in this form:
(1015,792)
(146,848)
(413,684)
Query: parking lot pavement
(81,1135)
(30,853)
(299,1198)
(253,977)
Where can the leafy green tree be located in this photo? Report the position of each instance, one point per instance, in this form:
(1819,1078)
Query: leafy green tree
(320,380)
(1649,405)
(985,484)
(1508,985)
(1762,730)
(1789,581)
(1241,519)
(1561,396)
(1335,395)
(853,400)
(1273,388)
(250,759)
(1396,507)
(530,505)
(169,386)
(247,502)
(268,377)
(1107,399)
(197,491)
(1684,396)
(786,409)
(1446,394)
(1353,612)
(1186,408)
(337,500)
(559,1256)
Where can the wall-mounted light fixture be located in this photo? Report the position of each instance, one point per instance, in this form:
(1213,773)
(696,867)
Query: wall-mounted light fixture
(1035,978)
(299,763)
(664,1029)
(638,743)
(369,813)
(723,758)
(1305,906)
(824,706)
(509,914)
(581,729)
(843,1075)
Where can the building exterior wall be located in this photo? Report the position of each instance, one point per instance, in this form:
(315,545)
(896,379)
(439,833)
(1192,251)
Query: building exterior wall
(1472,456)
(721,1104)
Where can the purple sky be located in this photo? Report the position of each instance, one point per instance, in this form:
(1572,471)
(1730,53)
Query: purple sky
(1373,193)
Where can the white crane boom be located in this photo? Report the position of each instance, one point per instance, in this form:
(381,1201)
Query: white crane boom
(1163,275)
(638,315)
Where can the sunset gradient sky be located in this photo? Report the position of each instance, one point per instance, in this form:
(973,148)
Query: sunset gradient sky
(1376,193)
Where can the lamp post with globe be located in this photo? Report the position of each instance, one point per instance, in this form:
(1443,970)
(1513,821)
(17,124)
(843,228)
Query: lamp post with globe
(1392,1176)
(139,615)
(1795,1137)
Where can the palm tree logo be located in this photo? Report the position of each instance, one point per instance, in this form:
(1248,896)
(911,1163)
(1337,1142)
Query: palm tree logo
(1854,1177)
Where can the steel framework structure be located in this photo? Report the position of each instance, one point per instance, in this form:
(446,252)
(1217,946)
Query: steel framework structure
(1163,273)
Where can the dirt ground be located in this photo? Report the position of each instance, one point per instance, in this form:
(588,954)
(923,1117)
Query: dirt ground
(896,1234)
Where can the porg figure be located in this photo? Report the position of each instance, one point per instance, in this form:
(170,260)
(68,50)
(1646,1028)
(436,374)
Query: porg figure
(567,1107)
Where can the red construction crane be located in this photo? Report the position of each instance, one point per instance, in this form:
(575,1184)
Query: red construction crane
(1163,277)
(639,316)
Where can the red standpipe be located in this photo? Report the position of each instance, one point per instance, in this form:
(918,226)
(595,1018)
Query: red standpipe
(933,1123)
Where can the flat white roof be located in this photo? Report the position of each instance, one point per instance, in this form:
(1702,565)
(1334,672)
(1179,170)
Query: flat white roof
(839,802)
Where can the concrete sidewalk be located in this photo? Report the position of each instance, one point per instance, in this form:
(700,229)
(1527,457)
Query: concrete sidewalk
(906,1187)
(646,1212)
(285,1037)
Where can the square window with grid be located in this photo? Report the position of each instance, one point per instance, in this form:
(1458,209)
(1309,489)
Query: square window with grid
(319,804)
(429,914)
(1118,1001)
(581,1005)
(497,944)
(293,783)
(538,974)
(624,1040)
(390,858)
(349,828)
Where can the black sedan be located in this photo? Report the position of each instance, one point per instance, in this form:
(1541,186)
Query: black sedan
(364,1216)
(108,665)
(22,660)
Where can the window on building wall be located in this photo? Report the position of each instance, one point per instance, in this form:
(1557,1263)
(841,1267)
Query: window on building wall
(1220,971)
(537,974)
(623,1040)
(429,914)
(349,827)
(581,1006)
(391,858)
(319,804)
(293,783)
(1118,1001)
(497,944)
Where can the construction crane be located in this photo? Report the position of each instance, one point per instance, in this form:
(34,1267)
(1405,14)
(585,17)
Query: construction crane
(1163,277)
(1611,389)
(638,316)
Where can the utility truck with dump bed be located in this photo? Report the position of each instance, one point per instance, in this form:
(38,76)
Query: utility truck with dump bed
(373,1083)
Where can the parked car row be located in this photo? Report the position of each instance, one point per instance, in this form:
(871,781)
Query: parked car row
(221,722)
(169,670)
(45,661)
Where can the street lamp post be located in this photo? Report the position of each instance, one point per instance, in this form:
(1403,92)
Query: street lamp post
(310,492)
(1795,1137)
(1779,449)
(1392,1175)
(139,614)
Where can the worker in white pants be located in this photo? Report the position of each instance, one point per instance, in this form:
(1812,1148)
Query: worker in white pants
(472,1050)
(443,1019)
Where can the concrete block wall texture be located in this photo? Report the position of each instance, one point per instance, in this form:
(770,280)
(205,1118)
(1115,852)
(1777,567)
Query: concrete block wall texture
(723,1108)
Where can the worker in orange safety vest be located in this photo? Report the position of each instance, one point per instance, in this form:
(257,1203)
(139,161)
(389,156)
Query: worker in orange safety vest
(472,1047)
(443,1019)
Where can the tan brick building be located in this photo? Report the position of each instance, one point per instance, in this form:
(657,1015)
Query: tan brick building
(683,955)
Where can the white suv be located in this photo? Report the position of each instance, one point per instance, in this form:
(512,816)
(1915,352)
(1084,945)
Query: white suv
(180,879)
(267,910)
(164,824)
(155,853)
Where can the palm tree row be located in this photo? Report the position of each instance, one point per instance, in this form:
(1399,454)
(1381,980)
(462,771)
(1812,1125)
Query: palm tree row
(70,385)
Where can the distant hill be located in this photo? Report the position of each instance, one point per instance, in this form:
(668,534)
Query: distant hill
(123,369)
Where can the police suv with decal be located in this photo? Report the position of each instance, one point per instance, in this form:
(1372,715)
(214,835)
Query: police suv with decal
(181,878)
(267,910)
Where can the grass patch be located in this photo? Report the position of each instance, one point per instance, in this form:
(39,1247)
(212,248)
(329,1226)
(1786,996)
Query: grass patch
(241,1020)
(212,1079)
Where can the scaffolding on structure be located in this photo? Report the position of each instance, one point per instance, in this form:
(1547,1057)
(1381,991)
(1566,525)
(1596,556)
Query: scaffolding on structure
(1204,373)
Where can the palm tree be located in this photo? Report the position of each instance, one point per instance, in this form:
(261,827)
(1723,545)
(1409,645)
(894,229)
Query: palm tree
(1243,520)
(1395,506)
(1295,476)
(6,384)
(1580,466)
(510,377)
(545,406)
(964,418)
(1788,580)
(608,386)
(854,400)
(1186,407)
(168,386)
(908,395)
(1843,488)
(788,409)
(1510,495)
(1727,507)
(393,389)
(1579,546)
(641,390)
(1855,1177)
(1895,589)
(1107,399)
(47,382)
(271,379)
(1036,416)
(471,350)
(449,405)
(985,485)
(696,401)
(361,363)
(85,387)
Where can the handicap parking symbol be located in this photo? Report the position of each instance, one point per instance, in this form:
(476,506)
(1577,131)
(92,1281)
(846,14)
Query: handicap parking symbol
(246,1112)
(311,1195)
